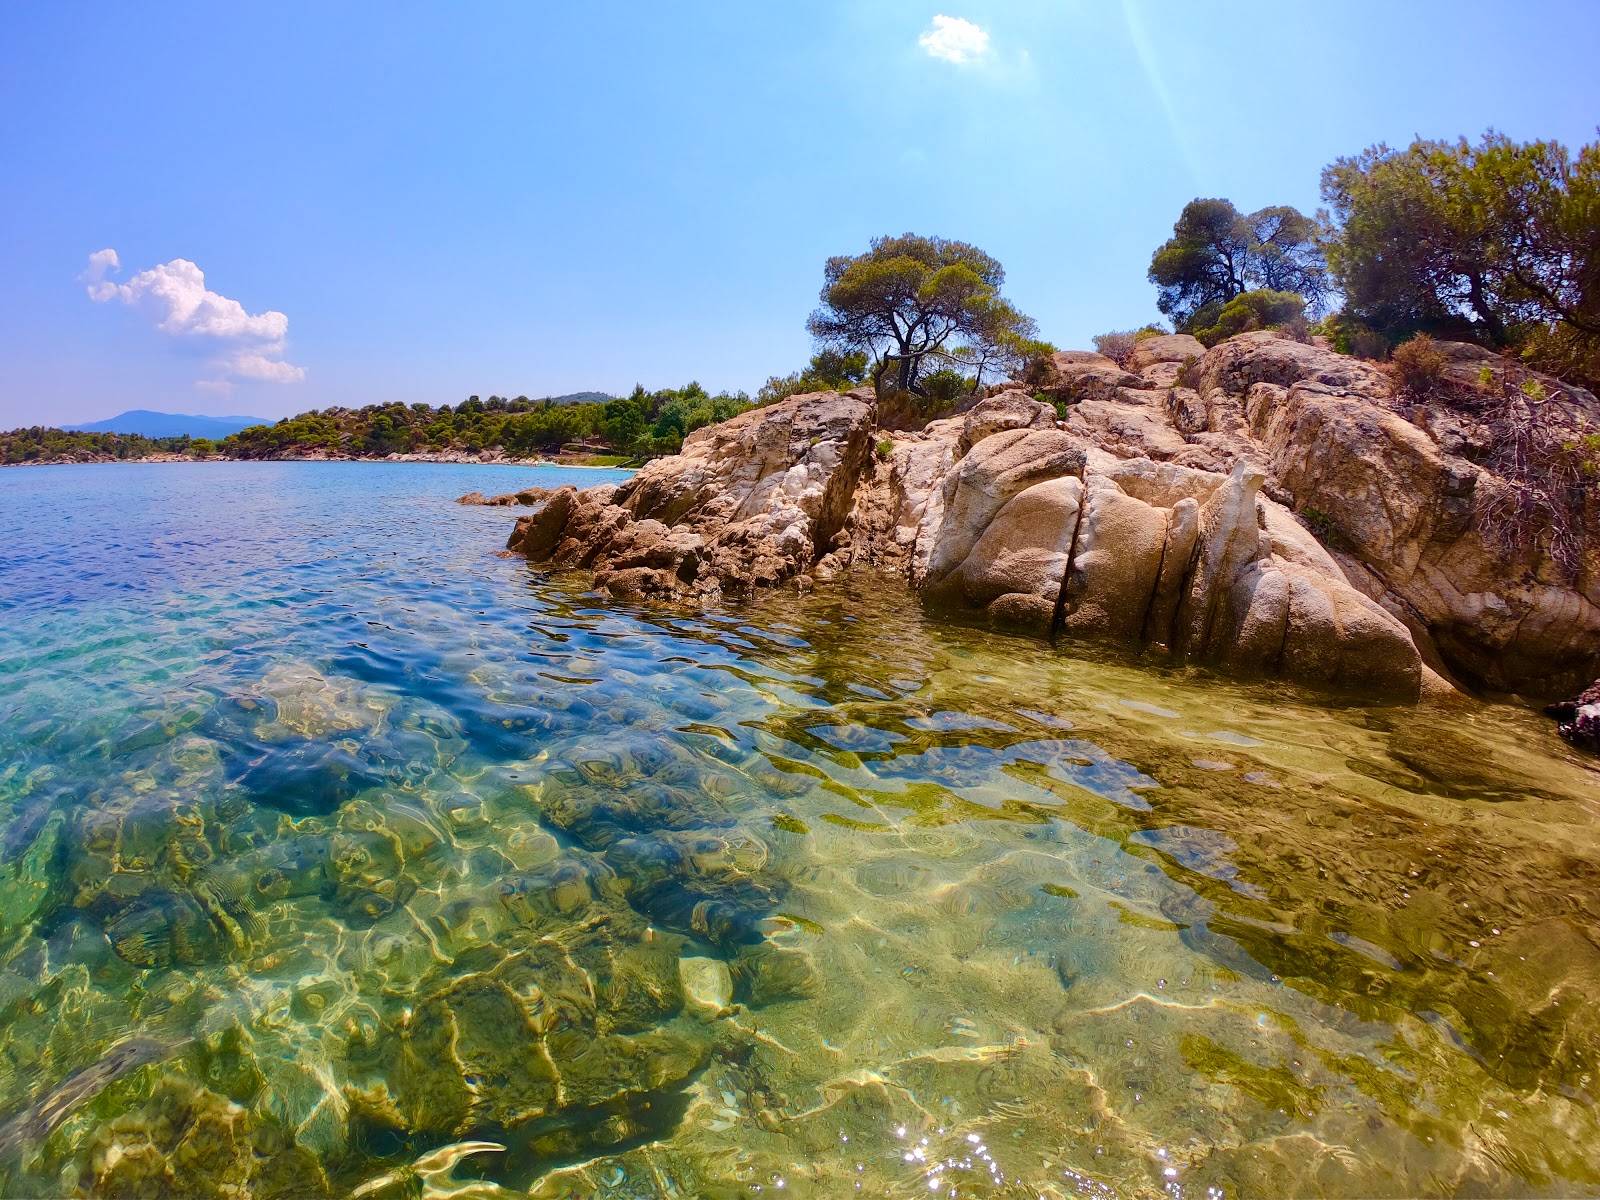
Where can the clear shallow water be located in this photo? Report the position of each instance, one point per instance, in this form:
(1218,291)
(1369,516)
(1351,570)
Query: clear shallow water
(332,844)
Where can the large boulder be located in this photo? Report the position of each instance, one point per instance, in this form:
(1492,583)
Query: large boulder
(1009,409)
(1045,529)
(978,486)
(1391,485)
(1166,348)
(1069,376)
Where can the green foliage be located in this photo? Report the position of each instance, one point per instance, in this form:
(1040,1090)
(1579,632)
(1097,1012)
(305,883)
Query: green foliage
(40,443)
(828,371)
(1419,366)
(1118,344)
(1347,335)
(519,426)
(676,414)
(885,448)
(946,388)
(1564,351)
(1496,242)
(906,298)
(1260,309)
(1322,525)
(1216,253)
(1585,452)
(626,420)
(641,424)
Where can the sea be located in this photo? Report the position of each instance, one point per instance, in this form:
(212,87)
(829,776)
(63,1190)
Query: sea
(343,855)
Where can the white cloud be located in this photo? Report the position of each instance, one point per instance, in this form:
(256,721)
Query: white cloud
(174,294)
(954,39)
(259,366)
(100,262)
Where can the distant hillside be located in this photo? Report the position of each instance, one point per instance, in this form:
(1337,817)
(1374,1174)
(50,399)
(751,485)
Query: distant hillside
(642,424)
(143,422)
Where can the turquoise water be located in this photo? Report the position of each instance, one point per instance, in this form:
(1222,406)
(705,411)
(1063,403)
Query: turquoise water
(340,855)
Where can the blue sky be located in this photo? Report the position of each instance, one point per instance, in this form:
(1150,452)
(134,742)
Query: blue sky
(423,201)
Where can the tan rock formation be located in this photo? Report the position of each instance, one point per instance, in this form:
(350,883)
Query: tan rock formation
(1152,514)
(748,503)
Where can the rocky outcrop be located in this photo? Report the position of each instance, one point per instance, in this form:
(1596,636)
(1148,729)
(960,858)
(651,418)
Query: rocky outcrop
(749,503)
(1578,719)
(1265,506)
(1412,510)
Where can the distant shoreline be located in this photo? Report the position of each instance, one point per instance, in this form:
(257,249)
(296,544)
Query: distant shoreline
(459,460)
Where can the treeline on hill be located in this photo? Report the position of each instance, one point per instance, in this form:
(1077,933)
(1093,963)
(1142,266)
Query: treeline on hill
(641,424)
(41,443)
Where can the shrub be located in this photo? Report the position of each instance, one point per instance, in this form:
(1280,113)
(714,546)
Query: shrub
(1322,525)
(828,371)
(1418,366)
(945,388)
(1118,344)
(885,448)
(1297,329)
(1369,344)
(1260,309)
(1189,373)
(1565,353)
(1349,336)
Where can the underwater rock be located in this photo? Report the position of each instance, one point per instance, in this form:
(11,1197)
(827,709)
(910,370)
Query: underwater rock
(29,884)
(305,778)
(560,891)
(365,868)
(766,974)
(430,1174)
(540,1028)
(707,983)
(186,1142)
(35,1123)
(164,928)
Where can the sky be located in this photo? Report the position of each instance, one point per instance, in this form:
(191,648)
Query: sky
(263,209)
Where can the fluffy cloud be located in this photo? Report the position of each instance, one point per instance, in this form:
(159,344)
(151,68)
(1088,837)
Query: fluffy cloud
(175,296)
(954,40)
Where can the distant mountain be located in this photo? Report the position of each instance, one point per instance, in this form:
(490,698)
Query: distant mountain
(583,398)
(155,424)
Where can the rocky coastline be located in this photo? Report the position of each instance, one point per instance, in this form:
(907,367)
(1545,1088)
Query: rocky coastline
(1263,507)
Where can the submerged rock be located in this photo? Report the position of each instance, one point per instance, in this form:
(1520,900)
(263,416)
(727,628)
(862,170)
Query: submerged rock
(548,1028)
(188,1141)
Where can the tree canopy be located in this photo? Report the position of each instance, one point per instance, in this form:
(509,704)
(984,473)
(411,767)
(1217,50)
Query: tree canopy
(1262,308)
(1497,243)
(1216,253)
(910,300)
